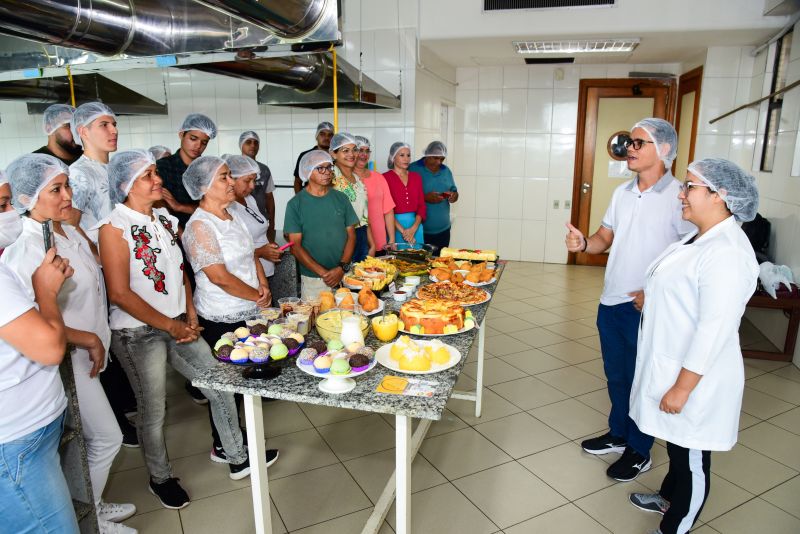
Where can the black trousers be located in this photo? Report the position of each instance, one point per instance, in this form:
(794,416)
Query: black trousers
(686,487)
(441,240)
(119,392)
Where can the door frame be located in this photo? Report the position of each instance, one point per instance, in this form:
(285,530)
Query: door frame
(585,143)
(688,82)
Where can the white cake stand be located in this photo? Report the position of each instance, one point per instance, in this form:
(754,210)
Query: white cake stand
(334,384)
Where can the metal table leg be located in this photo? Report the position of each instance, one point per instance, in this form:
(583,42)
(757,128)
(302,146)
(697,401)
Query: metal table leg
(258,464)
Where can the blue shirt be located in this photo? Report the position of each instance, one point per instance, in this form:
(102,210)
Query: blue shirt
(438,219)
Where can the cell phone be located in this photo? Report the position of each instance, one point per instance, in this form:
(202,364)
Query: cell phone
(47,232)
(287,245)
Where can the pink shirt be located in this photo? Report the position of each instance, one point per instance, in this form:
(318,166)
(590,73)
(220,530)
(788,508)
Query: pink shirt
(379,203)
(407,198)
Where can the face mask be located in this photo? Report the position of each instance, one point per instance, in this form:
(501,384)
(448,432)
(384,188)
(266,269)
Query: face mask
(10,227)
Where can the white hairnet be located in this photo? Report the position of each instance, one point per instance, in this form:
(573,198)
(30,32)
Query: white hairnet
(249,134)
(312,160)
(395,148)
(3,178)
(241,165)
(55,116)
(160,151)
(323,126)
(198,121)
(85,114)
(661,133)
(341,139)
(435,149)
(28,175)
(123,170)
(199,174)
(363,142)
(734,185)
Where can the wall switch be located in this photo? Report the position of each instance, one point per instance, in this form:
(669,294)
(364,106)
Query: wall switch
(555,204)
(567,204)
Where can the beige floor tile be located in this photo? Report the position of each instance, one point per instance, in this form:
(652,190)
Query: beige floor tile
(572,352)
(300,451)
(462,453)
(723,498)
(230,513)
(591,341)
(750,470)
(334,493)
(571,418)
(783,388)
(534,361)
(444,509)
(574,311)
(494,313)
(528,393)
(175,383)
(516,307)
(493,406)
(788,420)
(127,458)
(767,365)
(572,330)
(786,496)
(501,297)
(598,400)
(568,519)
(326,415)
(752,372)
(473,354)
(495,371)
(505,344)
(762,405)
(757,516)
(131,486)
(284,417)
(509,494)
(448,423)
(521,292)
(593,367)
(509,324)
(202,478)
(572,381)
(348,524)
(520,434)
(705,529)
(790,372)
(181,407)
(188,438)
(158,522)
(653,477)
(543,302)
(358,437)
(610,507)
(746,420)
(569,470)
(538,337)
(373,471)
(541,317)
(465,383)
(773,442)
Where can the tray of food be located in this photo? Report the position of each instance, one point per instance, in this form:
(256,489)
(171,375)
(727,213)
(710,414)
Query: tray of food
(454,291)
(417,357)
(468,254)
(372,273)
(410,268)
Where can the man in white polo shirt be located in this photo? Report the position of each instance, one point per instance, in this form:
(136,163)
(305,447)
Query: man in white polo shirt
(643,218)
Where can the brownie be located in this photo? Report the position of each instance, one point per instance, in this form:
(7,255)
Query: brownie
(319,346)
(359,360)
(290,343)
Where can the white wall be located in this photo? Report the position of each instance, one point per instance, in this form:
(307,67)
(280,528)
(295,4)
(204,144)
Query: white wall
(514,153)
(435,85)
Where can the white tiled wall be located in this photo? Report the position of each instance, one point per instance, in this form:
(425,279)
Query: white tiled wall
(513,155)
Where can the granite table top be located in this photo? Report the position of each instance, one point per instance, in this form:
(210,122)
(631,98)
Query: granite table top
(295,385)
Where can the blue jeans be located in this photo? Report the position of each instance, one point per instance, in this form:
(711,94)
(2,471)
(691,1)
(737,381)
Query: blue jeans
(619,329)
(362,244)
(34,496)
(144,353)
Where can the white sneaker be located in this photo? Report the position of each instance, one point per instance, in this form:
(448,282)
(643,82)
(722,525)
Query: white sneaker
(109,511)
(107,527)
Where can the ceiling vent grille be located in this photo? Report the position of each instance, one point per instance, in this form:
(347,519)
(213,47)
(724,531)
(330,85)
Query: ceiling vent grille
(499,5)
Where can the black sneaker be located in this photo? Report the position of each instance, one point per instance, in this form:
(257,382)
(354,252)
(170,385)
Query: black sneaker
(196,395)
(129,437)
(649,502)
(170,493)
(630,465)
(242,470)
(218,455)
(604,444)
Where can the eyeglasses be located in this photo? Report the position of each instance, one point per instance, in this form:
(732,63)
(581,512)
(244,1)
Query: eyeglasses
(324,169)
(686,186)
(636,143)
(364,150)
(255,215)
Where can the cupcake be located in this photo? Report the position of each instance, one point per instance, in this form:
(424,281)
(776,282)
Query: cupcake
(221,342)
(322,364)
(335,344)
(297,337)
(275,329)
(307,356)
(291,343)
(354,347)
(359,362)
(278,351)
(231,336)
(242,333)
(239,355)
(340,367)
(224,352)
(258,329)
(259,355)
(319,346)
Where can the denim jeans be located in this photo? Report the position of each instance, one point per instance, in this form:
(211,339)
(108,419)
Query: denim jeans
(619,330)
(144,353)
(34,496)
(362,244)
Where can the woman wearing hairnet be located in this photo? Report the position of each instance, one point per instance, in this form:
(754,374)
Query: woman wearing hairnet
(40,189)
(380,205)
(409,200)
(344,151)
(689,377)
(440,191)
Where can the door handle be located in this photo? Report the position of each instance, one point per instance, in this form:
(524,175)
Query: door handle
(585,187)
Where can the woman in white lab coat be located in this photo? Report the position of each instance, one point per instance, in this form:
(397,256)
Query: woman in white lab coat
(687,389)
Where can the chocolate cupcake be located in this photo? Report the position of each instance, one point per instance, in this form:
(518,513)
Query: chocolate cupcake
(319,346)
(224,352)
(258,329)
(290,343)
(359,362)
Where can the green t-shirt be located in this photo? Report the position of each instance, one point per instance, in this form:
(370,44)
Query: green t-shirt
(323,221)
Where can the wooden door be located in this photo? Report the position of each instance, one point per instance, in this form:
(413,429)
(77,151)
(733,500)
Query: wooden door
(605,109)
(686,119)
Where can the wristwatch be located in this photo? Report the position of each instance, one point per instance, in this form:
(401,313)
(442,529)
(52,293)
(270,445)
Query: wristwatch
(345,265)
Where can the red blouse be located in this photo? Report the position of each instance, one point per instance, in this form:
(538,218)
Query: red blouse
(407,198)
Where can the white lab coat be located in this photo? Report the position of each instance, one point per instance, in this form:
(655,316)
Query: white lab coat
(695,295)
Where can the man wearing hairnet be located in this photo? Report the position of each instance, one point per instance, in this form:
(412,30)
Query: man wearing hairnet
(60,143)
(94,127)
(324,135)
(249,144)
(440,191)
(195,133)
(642,219)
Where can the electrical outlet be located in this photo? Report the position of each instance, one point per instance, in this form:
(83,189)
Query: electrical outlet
(567,204)
(555,204)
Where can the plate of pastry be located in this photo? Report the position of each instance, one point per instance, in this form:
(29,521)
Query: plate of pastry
(417,357)
(457,292)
